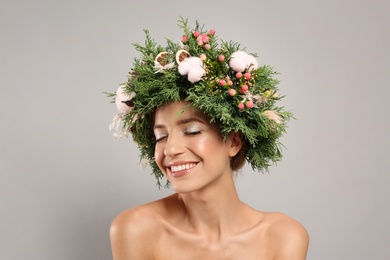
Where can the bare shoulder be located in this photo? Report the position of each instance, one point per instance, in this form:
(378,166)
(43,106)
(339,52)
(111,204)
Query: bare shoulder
(291,238)
(130,231)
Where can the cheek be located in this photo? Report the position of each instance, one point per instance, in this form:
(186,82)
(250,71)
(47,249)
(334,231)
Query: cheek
(207,145)
(158,155)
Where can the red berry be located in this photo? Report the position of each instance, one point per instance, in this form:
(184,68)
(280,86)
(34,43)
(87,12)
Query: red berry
(241,106)
(247,76)
(196,34)
(184,38)
(221,58)
(212,32)
(232,92)
(205,38)
(222,82)
(238,75)
(249,104)
(244,87)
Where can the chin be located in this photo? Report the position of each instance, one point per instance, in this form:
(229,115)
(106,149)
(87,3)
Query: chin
(184,188)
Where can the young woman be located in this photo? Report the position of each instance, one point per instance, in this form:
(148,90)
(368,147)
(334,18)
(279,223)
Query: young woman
(198,112)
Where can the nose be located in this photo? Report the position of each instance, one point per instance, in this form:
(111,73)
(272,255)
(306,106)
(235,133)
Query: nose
(173,146)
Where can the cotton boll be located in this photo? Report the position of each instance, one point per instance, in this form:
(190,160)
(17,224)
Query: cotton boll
(195,74)
(195,61)
(123,101)
(238,61)
(239,55)
(252,63)
(184,67)
(193,66)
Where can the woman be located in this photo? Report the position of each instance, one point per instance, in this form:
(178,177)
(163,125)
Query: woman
(198,111)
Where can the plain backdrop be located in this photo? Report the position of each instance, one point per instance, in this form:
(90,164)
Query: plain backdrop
(63,178)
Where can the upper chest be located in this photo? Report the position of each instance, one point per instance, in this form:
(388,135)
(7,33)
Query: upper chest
(181,245)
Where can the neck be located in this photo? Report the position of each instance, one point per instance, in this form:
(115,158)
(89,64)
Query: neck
(213,210)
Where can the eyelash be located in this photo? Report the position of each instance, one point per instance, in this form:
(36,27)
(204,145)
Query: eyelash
(193,132)
(186,133)
(160,139)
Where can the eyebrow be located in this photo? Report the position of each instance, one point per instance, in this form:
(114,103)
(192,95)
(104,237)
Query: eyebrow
(182,122)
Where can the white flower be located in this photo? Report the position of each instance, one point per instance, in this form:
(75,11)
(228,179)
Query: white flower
(116,125)
(193,67)
(143,164)
(240,61)
(123,101)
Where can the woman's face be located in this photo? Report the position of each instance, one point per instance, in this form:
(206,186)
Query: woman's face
(189,150)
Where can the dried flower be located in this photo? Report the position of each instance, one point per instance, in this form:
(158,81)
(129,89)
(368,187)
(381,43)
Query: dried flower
(162,63)
(273,116)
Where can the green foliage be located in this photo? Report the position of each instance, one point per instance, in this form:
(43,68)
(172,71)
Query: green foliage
(261,133)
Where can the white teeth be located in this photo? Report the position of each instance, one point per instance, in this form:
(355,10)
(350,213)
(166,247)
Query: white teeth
(178,168)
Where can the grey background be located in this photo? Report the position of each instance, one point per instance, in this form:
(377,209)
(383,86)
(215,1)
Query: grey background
(63,178)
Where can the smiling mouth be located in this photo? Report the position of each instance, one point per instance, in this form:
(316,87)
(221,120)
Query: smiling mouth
(182,167)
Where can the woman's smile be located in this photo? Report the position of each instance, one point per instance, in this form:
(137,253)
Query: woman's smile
(180,169)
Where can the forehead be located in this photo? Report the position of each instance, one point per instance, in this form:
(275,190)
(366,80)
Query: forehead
(176,111)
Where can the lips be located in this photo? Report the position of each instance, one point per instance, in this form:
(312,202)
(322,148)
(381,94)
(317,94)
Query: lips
(180,169)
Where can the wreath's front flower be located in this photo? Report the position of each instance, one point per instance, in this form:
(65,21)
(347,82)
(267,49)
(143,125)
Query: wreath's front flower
(193,67)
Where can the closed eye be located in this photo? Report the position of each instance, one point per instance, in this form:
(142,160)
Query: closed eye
(160,137)
(193,133)
(193,129)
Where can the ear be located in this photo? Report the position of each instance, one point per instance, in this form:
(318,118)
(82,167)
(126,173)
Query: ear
(235,143)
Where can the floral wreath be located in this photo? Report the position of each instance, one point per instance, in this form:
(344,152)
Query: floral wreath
(221,79)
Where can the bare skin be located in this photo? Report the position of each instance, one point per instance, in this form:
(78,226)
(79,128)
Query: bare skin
(205,218)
